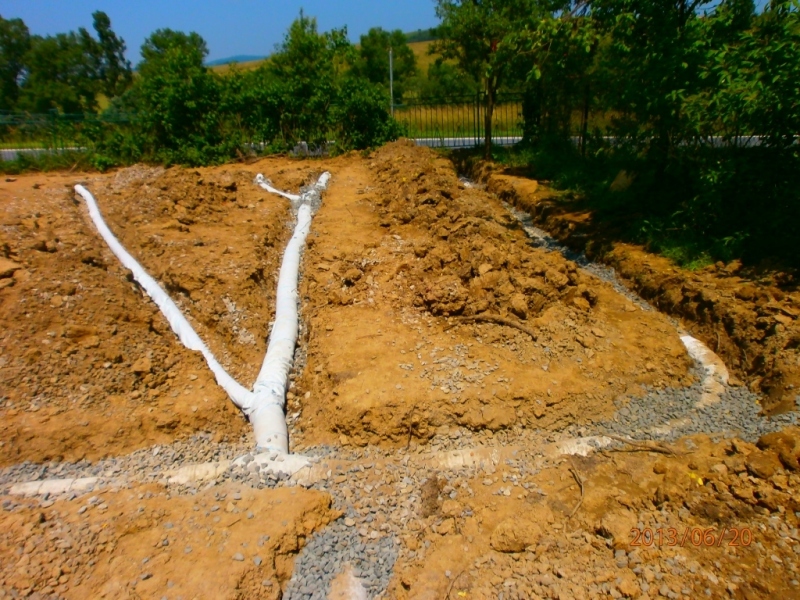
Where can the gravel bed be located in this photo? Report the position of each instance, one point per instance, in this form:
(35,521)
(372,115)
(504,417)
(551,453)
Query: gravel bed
(147,464)
(737,413)
(329,551)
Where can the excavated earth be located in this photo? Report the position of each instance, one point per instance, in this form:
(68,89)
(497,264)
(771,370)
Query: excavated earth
(749,316)
(487,417)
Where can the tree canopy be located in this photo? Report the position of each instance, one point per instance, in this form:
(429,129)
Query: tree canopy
(66,72)
(373,59)
(15,42)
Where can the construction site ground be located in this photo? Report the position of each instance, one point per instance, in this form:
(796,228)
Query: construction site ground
(487,418)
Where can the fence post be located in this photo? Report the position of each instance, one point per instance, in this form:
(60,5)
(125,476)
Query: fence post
(477,118)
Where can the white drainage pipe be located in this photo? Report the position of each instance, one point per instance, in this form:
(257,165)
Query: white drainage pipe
(267,413)
(264,406)
(716,373)
(182,328)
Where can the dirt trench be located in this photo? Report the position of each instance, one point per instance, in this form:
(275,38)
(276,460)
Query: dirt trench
(397,280)
(750,317)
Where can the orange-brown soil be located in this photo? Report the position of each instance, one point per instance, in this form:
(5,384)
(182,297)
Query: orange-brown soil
(751,318)
(412,253)
(428,323)
(141,542)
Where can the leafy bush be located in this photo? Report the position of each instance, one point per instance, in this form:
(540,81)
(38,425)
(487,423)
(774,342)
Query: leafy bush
(362,118)
(176,97)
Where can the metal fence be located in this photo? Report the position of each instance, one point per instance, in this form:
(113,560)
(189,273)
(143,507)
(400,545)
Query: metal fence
(458,122)
(435,121)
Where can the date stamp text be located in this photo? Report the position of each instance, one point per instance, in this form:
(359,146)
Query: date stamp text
(692,536)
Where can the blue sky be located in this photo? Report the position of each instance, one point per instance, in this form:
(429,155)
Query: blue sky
(230,27)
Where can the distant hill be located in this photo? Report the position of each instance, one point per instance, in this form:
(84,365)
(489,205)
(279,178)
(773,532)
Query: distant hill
(422,35)
(241,58)
(418,40)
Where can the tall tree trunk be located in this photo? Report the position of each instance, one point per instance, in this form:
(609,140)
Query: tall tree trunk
(585,122)
(491,85)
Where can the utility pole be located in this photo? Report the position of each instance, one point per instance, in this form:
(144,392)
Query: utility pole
(391,81)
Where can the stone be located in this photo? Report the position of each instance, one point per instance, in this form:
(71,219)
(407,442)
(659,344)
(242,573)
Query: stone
(515,535)
(351,276)
(720,469)
(7,267)
(762,464)
(239,557)
(519,306)
(628,586)
(581,303)
(617,527)
(659,468)
(141,366)
(446,527)
(786,444)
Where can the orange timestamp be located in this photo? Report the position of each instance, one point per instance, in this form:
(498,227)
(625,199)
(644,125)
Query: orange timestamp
(692,536)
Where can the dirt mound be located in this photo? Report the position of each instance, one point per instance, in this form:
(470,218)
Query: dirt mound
(420,269)
(143,543)
(752,323)
(470,263)
(693,520)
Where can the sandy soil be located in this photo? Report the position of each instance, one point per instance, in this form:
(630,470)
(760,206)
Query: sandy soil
(425,314)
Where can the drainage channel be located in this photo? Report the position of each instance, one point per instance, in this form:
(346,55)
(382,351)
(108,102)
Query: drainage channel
(710,406)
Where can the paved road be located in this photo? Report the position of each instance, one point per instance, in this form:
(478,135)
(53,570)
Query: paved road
(465,142)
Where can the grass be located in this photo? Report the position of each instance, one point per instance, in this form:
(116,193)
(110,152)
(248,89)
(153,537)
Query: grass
(424,60)
(81,161)
(250,65)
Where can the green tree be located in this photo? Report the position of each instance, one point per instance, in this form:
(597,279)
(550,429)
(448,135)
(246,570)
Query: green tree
(554,55)
(61,74)
(114,70)
(250,105)
(360,115)
(651,65)
(471,33)
(307,64)
(373,59)
(14,45)
(176,97)
(446,81)
(750,75)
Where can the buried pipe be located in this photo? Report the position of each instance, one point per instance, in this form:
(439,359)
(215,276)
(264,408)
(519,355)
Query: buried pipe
(267,412)
(182,328)
(264,406)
